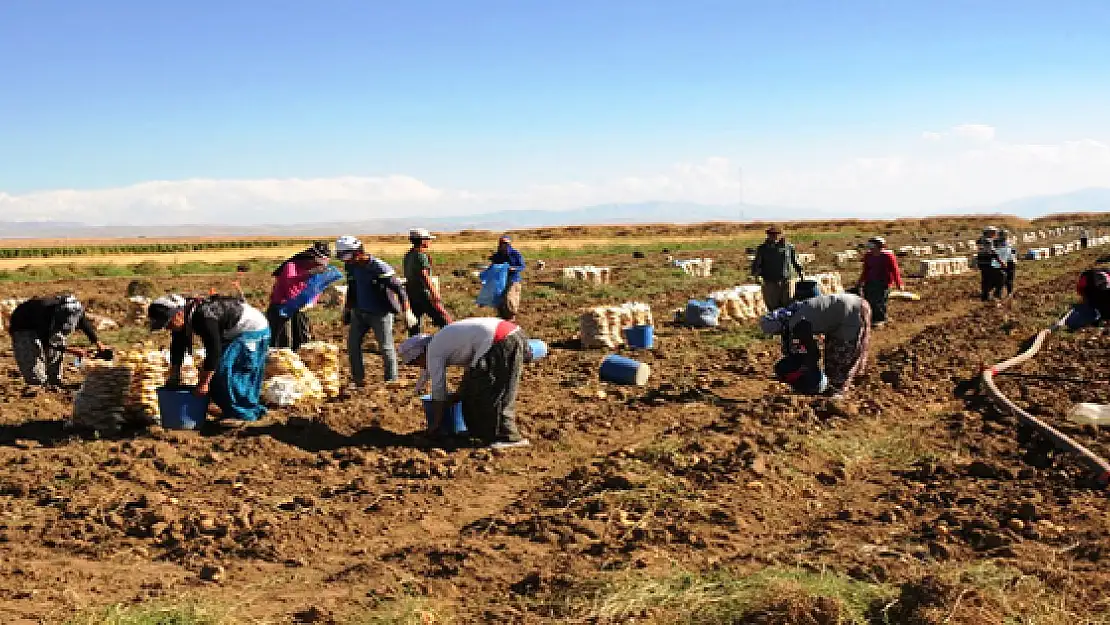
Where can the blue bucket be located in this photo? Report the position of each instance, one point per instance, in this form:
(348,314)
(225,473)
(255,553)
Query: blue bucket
(453,424)
(640,337)
(181,410)
(538,348)
(621,370)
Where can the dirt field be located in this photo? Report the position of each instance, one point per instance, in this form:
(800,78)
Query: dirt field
(709,496)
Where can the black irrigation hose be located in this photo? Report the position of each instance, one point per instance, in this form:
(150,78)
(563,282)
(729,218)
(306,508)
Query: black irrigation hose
(1100,467)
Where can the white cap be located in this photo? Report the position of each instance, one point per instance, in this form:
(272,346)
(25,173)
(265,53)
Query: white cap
(347,243)
(421,233)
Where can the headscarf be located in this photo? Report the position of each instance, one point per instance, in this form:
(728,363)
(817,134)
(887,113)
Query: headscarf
(162,310)
(318,250)
(66,316)
(775,321)
(413,347)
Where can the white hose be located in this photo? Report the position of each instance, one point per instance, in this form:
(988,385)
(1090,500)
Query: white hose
(1100,467)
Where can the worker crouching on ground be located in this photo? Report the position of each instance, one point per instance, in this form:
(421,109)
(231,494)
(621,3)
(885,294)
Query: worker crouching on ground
(880,272)
(493,352)
(289,281)
(236,338)
(1094,291)
(40,329)
(776,266)
(374,296)
(423,296)
(845,322)
(510,299)
(992,276)
(1007,257)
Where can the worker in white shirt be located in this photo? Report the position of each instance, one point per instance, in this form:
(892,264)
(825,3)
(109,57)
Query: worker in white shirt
(1007,255)
(494,352)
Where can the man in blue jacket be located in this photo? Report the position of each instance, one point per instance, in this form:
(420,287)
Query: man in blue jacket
(507,254)
(374,296)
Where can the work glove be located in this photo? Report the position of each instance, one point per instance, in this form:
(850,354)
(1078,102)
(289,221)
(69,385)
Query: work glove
(346,318)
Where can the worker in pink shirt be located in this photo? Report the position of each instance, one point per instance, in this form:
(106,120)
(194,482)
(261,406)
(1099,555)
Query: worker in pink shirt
(290,279)
(880,272)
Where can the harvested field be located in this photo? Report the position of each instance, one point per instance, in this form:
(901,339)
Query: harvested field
(709,496)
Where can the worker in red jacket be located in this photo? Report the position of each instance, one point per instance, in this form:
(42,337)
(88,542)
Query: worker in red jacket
(880,272)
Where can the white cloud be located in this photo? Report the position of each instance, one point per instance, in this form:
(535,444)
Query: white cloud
(973,132)
(967,165)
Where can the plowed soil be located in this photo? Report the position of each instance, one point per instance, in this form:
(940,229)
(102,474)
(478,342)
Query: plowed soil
(916,486)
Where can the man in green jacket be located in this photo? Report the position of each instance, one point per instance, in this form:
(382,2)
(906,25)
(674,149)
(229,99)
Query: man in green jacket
(776,265)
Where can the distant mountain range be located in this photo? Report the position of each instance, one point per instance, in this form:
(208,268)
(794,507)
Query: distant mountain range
(1084,200)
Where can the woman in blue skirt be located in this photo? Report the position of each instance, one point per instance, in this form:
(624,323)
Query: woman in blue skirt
(236,339)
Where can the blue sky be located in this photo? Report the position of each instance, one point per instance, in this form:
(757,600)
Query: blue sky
(494,97)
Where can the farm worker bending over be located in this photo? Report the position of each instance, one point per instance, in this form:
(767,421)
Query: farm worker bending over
(507,254)
(1007,255)
(40,328)
(493,352)
(776,264)
(236,338)
(1094,290)
(880,272)
(374,296)
(289,281)
(844,320)
(423,296)
(990,265)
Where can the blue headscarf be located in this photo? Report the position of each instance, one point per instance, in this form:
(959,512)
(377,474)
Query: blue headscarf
(775,321)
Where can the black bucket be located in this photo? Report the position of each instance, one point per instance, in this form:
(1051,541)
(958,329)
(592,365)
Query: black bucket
(805,289)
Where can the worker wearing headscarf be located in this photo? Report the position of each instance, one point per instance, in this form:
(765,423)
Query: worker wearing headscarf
(236,338)
(845,322)
(1093,288)
(40,328)
(290,279)
(493,351)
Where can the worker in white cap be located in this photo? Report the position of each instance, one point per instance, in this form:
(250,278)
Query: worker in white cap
(374,296)
(493,351)
(423,295)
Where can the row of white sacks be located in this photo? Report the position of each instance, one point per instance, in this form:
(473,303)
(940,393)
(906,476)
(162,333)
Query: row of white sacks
(588,273)
(697,267)
(602,326)
(746,301)
(944,267)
